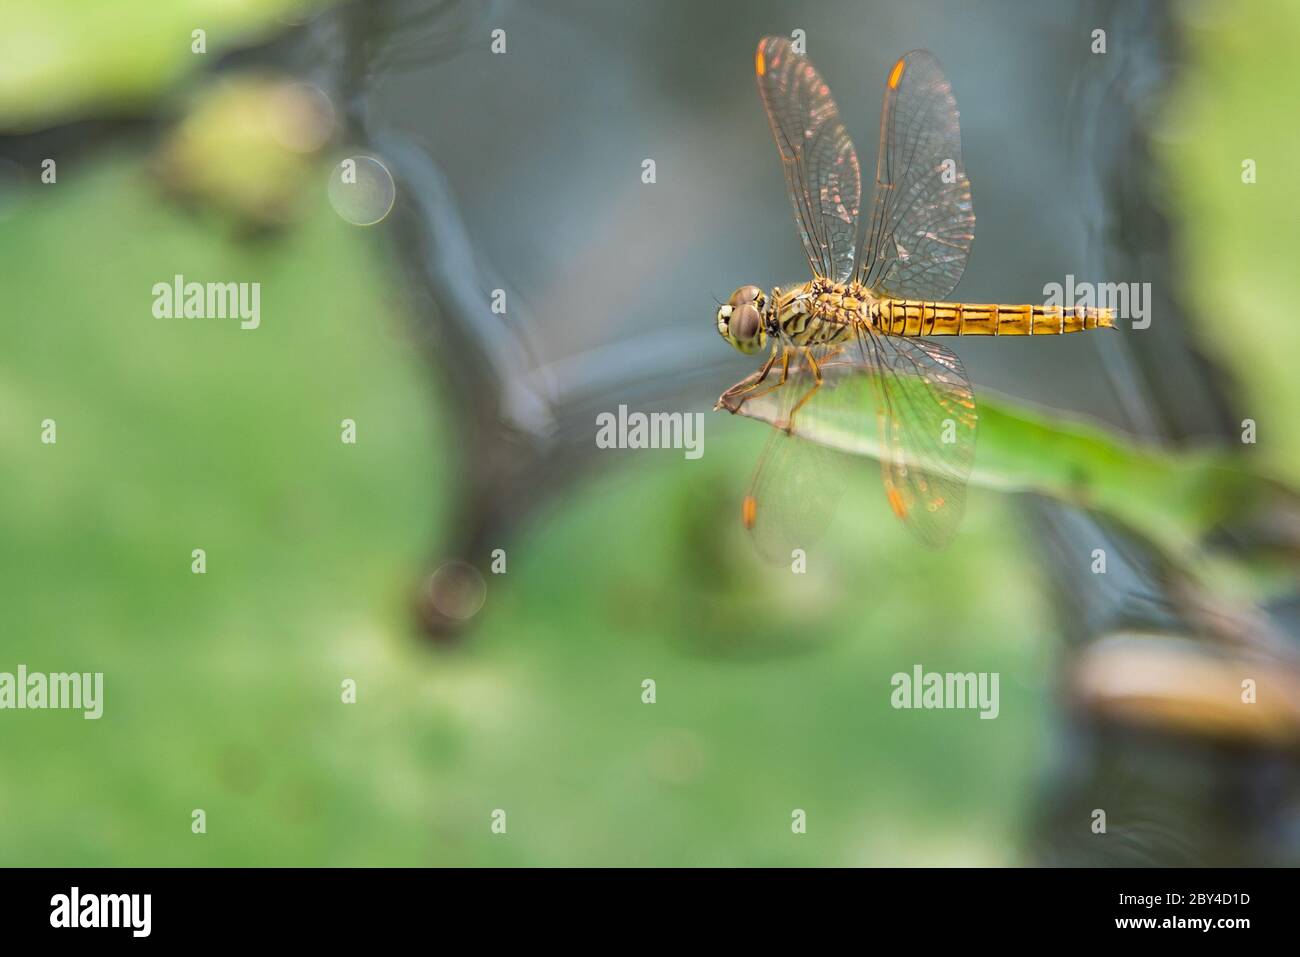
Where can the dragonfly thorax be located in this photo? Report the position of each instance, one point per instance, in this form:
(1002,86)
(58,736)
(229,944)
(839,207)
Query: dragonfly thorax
(821,312)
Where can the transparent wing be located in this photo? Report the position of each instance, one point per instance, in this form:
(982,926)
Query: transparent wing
(928,424)
(797,485)
(904,401)
(922,223)
(817,156)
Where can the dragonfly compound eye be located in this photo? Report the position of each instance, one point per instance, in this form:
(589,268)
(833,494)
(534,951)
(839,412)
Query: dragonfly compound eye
(746,294)
(744,324)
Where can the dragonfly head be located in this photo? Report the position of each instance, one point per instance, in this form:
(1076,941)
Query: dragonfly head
(741,321)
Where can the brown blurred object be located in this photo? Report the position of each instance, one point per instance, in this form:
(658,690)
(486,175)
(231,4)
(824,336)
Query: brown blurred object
(1174,684)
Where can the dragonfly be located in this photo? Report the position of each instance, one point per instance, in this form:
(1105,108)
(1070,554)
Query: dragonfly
(850,367)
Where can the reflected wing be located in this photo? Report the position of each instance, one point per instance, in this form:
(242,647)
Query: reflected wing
(922,223)
(820,164)
(904,401)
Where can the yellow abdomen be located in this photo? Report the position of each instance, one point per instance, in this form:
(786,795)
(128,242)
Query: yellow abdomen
(916,317)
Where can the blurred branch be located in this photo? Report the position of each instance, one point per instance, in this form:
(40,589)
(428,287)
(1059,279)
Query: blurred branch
(1168,682)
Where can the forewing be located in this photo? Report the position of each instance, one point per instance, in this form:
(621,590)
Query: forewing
(817,156)
(919,236)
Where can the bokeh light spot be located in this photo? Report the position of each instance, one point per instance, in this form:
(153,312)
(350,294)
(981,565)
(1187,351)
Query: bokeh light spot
(361,190)
(457,590)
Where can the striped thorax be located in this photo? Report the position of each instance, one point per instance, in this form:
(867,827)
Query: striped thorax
(820,312)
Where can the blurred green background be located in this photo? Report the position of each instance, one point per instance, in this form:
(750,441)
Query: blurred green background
(222,691)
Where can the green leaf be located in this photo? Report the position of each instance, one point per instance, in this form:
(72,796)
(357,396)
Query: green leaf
(65,59)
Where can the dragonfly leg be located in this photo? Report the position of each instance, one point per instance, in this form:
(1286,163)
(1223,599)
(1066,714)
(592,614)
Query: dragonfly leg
(767,367)
(748,392)
(817,384)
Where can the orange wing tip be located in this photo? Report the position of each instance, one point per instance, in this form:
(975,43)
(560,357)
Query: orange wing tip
(896,74)
(749,511)
(760,65)
(896,502)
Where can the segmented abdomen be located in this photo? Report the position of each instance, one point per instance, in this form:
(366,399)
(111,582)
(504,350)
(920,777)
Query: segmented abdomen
(915,317)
